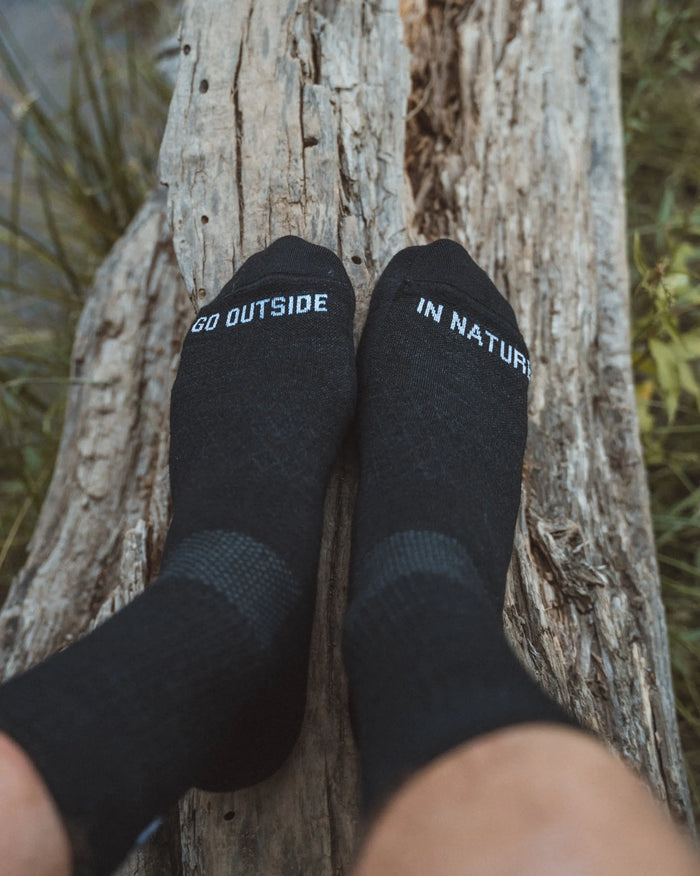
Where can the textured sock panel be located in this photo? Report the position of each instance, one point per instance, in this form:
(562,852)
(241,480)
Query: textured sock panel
(408,553)
(246,573)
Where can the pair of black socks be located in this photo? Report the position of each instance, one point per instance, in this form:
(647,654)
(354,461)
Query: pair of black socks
(201,680)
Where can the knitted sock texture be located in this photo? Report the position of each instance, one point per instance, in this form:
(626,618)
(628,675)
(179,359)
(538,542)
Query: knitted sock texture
(201,680)
(443,380)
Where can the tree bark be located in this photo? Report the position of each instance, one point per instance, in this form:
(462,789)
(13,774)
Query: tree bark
(289,116)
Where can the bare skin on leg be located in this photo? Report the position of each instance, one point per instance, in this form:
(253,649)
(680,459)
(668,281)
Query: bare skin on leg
(531,800)
(33,841)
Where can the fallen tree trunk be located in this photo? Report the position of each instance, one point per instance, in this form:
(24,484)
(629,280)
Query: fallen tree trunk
(290,117)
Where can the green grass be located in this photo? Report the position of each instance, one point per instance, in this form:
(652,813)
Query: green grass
(661,99)
(80,171)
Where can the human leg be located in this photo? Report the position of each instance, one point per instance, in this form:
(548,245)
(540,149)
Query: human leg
(527,800)
(201,680)
(435,689)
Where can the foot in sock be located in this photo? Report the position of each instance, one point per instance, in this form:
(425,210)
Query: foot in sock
(442,406)
(202,679)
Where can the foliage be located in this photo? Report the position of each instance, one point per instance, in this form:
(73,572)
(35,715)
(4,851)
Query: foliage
(666,331)
(661,93)
(80,171)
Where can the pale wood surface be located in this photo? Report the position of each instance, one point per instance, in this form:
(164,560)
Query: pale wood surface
(300,128)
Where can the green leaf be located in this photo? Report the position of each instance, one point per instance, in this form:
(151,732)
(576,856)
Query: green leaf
(689,381)
(667,375)
(639,260)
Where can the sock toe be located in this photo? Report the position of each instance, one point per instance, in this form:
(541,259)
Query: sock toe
(444,263)
(290,255)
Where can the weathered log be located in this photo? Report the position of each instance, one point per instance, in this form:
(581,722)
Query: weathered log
(290,117)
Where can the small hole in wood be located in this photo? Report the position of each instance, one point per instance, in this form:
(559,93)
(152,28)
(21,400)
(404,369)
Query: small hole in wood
(205,219)
(356,260)
(201,293)
(310,141)
(203,86)
(186,49)
(228,816)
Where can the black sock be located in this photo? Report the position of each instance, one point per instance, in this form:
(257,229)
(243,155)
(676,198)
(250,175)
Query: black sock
(202,679)
(443,378)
